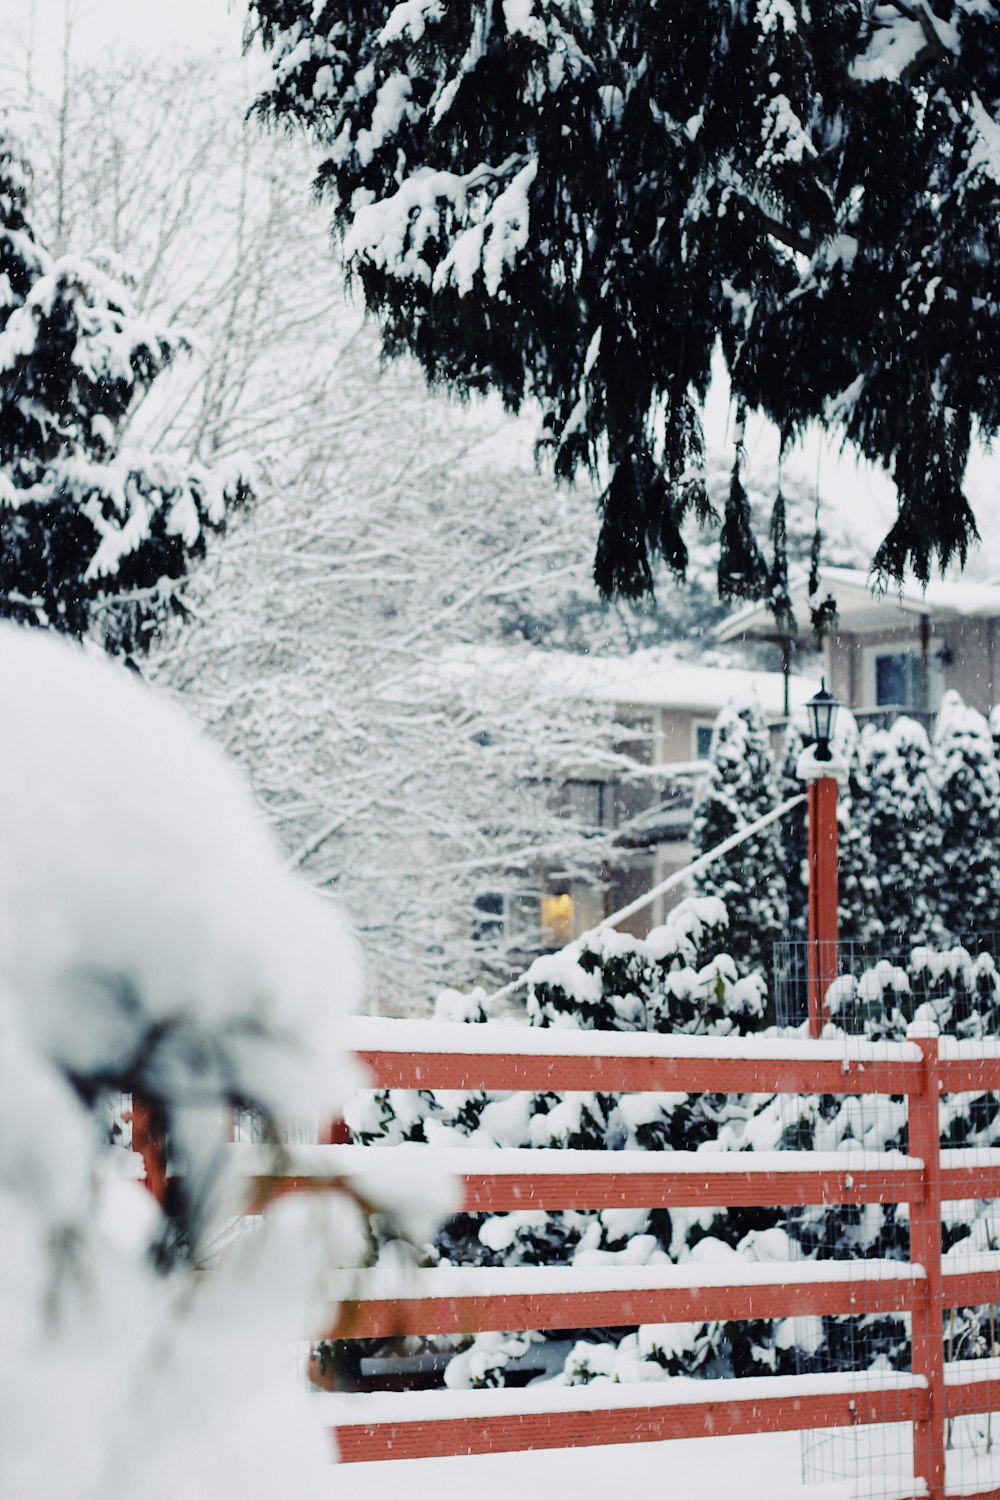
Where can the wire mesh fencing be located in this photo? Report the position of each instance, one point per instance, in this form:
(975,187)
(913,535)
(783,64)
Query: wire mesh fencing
(882,996)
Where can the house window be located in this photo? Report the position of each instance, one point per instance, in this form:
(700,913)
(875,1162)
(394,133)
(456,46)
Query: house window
(488,924)
(703,741)
(897,679)
(557,919)
(585,802)
(891,676)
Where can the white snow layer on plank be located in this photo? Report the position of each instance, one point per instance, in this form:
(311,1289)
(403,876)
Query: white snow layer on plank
(386,1034)
(982,1049)
(381,1164)
(449,1406)
(971,1371)
(404,1283)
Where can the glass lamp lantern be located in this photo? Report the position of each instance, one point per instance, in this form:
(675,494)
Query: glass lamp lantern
(822,709)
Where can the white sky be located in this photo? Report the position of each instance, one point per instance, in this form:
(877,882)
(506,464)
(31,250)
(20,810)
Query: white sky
(35,30)
(107,28)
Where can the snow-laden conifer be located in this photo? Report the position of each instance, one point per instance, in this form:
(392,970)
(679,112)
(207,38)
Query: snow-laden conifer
(898,817)
(750,880)
(578,204)
(794,832)
(968,785)
(93,538)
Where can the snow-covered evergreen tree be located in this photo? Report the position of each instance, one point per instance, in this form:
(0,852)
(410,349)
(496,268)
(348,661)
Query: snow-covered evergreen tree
(968,785)
(750,880)
(898,818)
(579,203)
(794,832)
(858,880)
(93,538)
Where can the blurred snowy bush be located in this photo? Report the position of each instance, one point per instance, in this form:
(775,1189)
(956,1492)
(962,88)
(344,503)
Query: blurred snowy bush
(151,942)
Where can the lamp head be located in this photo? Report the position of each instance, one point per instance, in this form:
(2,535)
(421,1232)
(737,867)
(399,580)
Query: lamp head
(822,709)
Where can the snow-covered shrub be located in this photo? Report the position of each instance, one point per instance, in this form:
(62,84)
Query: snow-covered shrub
(899,819)
(968,785)
(664,982)
(671,982)
(150,941)
(750,880)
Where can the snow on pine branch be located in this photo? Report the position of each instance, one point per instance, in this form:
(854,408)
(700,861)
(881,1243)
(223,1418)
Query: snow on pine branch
(395,233)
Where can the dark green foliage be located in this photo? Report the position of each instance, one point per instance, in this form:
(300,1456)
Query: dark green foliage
(899,820)
(578,204)
(92,541)
(750,880)
(968,785)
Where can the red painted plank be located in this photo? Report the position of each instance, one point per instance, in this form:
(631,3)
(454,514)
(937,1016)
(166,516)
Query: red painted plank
(654,1189)
(617,1309)
(621,1075)
(665,1189)
(969,1075)
(972,1398)
(720,1417)
(971,1289)
(968,1182)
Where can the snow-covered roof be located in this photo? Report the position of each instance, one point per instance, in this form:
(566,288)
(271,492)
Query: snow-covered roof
(652,678)
(861,607)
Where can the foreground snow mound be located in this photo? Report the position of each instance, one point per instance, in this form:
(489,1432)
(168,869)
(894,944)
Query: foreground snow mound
(150,941)
(148,927)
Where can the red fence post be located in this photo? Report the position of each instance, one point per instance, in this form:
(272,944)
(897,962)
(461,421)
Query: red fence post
(823,896)
(150,1142)
(925,1250)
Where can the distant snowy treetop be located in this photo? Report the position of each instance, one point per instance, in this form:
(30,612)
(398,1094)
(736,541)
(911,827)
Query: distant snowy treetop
(92,541)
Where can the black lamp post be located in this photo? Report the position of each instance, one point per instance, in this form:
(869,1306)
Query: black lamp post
(822,708)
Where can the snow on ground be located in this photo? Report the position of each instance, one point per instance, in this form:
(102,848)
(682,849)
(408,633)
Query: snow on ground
(771,1466)
(765,1467)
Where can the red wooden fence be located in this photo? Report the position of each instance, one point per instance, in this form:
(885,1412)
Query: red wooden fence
(422,1055)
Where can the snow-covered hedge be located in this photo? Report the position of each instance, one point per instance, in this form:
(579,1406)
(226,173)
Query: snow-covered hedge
(919,825)
(681,979)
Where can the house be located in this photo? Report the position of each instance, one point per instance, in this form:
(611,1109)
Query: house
(664,708)
(894,651)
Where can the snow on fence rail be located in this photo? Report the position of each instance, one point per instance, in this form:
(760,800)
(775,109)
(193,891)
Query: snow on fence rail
(431,1055)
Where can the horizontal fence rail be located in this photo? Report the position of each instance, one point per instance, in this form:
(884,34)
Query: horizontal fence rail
(456,1300)
(498,1180)
(423,1424)
(472,1300)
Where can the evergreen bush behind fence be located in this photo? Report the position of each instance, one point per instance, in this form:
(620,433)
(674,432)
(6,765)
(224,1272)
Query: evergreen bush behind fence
(681,979)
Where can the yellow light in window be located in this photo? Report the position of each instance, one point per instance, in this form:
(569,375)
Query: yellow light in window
(557,916)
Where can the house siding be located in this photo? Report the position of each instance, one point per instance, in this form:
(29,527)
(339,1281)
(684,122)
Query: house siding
(970,669)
